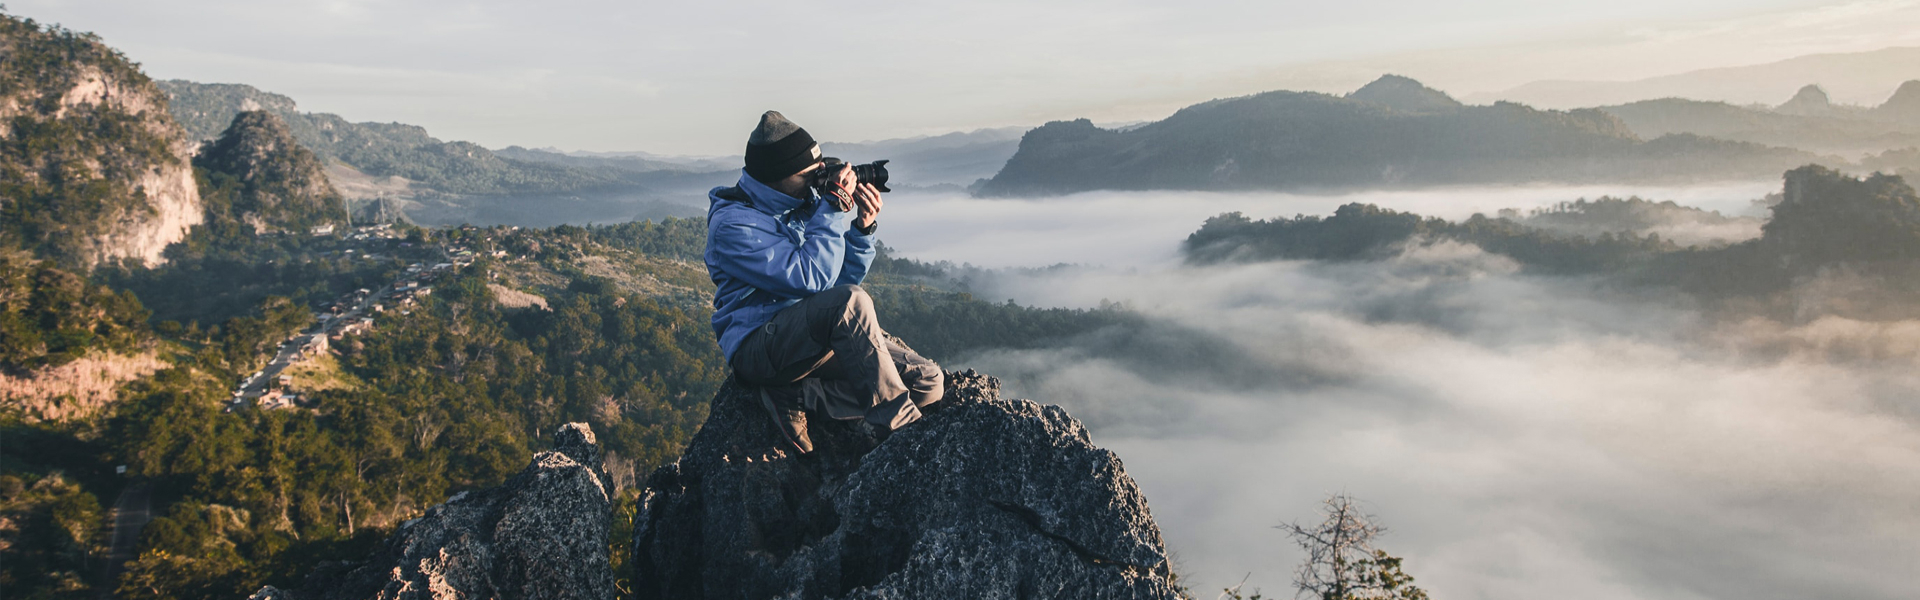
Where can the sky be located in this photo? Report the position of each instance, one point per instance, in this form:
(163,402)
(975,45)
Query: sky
(691,77)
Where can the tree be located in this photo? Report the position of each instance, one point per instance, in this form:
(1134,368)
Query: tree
(1342,563)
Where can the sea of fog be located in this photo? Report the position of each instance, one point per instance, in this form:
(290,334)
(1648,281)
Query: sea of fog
(1520,437)
(1145,228)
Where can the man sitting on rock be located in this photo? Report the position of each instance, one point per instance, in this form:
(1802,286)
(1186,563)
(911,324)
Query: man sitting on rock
(789,311)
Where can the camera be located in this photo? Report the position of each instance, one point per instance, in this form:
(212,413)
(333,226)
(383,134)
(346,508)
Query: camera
(874,173)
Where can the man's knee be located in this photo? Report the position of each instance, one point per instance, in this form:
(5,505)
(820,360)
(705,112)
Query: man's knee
(853,299)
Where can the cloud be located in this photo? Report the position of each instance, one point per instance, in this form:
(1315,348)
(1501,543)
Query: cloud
(1140,229)
(1521,436)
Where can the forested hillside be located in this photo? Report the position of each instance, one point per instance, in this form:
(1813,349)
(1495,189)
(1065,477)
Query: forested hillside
(1826,226)
(257,174)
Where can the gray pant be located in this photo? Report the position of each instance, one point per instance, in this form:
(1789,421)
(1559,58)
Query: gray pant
(847,368)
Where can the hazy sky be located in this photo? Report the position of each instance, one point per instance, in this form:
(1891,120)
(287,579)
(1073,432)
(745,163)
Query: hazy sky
(689,77)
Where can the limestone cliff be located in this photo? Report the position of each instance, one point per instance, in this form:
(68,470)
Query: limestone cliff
(984,498)
(95,168)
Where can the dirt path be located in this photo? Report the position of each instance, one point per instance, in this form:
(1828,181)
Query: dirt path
(130,514)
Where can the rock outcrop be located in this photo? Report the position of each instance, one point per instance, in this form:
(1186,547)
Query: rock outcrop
(984,498)
(95,167)
(262,177)
(542,534)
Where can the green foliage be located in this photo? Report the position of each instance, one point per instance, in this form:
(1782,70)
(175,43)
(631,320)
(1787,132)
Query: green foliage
(461,393)
(49,317)
(52,525)
(682,239)
(944,325)
(223,270)
(1827,218)
(67,174)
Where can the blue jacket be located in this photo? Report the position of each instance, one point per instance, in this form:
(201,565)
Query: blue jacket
(768,252)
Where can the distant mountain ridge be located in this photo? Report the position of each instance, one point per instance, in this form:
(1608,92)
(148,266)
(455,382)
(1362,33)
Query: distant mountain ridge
(392,170)
(1307,141)
(1855,78)
(1809,121)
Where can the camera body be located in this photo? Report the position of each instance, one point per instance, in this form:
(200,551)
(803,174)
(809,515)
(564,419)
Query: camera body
(874,173)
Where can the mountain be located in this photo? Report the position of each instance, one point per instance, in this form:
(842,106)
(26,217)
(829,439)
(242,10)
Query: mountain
(1835,130)
(261,176)
(952,159)
(438,182)
(1854,78)
(955,159)
(1405,95)
(1810,101)
(381,149)
(95,169)
(1303,140)
(1904,106)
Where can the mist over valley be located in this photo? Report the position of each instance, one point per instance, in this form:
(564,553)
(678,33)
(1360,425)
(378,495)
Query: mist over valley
(1521,434)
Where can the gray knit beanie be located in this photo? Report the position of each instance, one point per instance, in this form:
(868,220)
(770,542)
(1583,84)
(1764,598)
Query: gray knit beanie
(779,148)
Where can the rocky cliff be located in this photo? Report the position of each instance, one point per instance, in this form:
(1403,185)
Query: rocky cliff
(95,168)
(259,175)
(542,534)
(984,498)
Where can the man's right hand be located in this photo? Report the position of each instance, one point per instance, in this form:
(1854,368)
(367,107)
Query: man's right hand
(868,198)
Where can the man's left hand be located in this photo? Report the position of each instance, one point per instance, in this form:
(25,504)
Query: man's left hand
(868,199)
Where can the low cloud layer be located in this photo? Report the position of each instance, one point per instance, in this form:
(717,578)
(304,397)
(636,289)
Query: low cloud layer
(1521,436)
(1137,229)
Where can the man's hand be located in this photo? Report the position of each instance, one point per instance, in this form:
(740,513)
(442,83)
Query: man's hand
(868,199)
(842,188)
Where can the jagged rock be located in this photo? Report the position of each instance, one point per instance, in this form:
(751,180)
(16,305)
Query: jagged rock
(983,498)
(542,534)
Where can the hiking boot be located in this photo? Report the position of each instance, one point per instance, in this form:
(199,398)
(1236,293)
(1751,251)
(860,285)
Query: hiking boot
(783,404)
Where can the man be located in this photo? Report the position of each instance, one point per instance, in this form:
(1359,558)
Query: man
(789,311)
